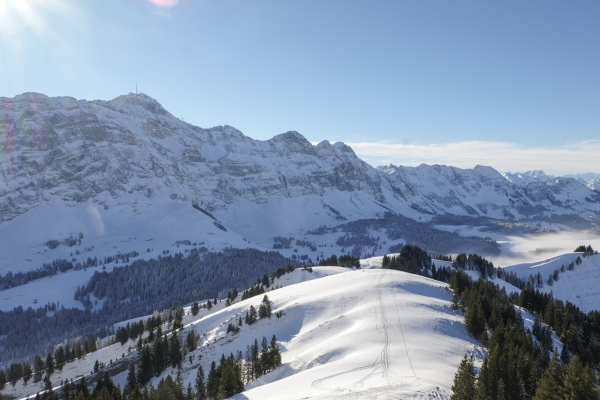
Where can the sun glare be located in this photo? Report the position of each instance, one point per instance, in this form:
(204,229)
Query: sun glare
(26,26)
(15,15)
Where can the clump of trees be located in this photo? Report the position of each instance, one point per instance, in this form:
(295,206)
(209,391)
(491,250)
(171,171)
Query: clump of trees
(586,250)
(414,260)
(341,261)
(411,259)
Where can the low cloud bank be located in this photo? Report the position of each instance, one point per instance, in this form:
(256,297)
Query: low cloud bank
(571,158)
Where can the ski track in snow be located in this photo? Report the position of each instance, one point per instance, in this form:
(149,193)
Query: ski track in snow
(391,367)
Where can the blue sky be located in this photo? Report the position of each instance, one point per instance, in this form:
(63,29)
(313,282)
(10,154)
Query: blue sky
(403,81)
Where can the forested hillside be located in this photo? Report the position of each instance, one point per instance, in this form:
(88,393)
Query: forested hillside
(133,291)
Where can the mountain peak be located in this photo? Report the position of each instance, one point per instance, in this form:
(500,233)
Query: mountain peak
(142,100)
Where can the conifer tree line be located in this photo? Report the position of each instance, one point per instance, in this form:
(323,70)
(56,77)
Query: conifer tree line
(261,284)
(473,262)
(27,332)
(225,379)
(519,367)
(63,355)
(586,250)
(45,366)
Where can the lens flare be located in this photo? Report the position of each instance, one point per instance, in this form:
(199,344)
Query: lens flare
(164,3)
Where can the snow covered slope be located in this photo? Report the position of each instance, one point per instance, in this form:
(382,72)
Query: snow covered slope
(580,286)
(367,334)
(344,334)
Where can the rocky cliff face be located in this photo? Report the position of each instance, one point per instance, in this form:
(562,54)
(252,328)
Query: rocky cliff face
(63,149)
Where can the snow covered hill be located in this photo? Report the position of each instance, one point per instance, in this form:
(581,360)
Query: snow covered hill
(580,286)
(367,333)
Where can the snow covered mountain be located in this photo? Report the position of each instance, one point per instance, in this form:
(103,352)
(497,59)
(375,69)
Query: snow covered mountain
(590,179)
(128,176)
(522,178)
(62,149)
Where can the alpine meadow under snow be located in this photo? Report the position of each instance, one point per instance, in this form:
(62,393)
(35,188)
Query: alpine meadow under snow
(120,223)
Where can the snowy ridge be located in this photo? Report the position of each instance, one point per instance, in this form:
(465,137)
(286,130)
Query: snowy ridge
(344,334)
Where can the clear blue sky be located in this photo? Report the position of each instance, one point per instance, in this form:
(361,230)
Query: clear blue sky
(404,72)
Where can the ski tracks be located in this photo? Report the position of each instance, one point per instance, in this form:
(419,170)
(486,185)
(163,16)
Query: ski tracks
(393,363)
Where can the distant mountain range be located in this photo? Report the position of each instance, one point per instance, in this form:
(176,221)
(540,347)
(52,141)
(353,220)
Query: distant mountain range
(62,149)
(592,180)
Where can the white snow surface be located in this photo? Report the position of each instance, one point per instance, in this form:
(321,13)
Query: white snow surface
(364,334)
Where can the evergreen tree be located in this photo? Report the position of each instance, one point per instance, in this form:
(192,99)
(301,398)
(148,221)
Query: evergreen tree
(131,381)
(251,316)
(49,391)
(275,353)
(59,356)
(551,386)
(189,394)
(212,383)
(49,364)
(264,310)
(195,309)
(200,384)
(579,382)
(2,379)
(160,358)
(265,361)
(463,387)
(255,360)
(179,383)
(475,320)
(166,351)
(27,372)
(82,389)
(144,372)
(38,368)
(136,394)
(174,350)
(191,341)
(484,386)
(230,383)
